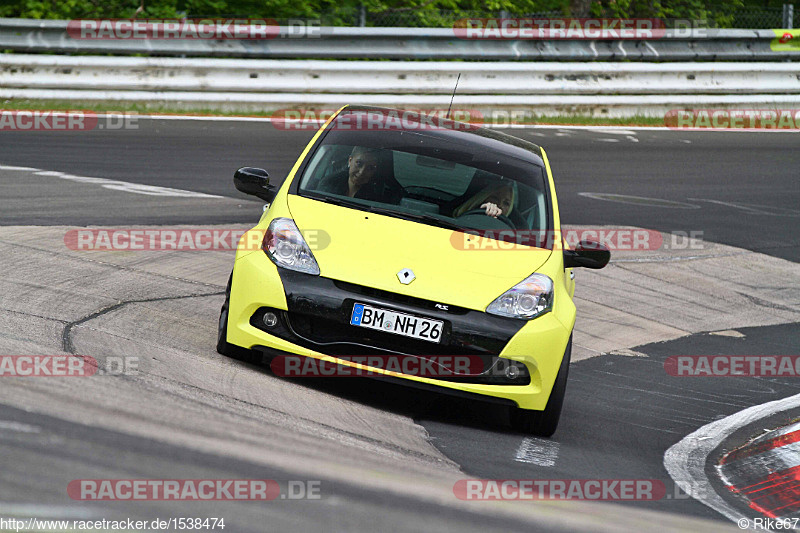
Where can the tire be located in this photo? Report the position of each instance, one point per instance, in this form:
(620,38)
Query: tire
(223,346)
(544,423)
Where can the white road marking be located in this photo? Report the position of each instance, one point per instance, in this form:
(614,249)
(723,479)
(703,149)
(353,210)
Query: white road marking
(754,209)
(614,131)
(10,167)
(539,452)
(9,425)
(608,140)
(628,353)
(637,200)
(115,185)
(138,188)
(686,460)
(728,333)
(53,173)
(632,139)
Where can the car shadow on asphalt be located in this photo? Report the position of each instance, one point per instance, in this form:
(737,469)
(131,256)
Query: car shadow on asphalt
(406,400)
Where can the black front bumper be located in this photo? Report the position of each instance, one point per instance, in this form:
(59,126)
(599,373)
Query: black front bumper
(318,318)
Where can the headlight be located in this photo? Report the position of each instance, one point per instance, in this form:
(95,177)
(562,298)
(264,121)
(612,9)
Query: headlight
(527,299)
(285,245)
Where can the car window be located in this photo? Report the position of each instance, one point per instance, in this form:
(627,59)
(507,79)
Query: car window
(407,180)
(413,170)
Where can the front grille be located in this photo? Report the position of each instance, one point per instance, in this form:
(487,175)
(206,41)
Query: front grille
(337,339)
(365,341)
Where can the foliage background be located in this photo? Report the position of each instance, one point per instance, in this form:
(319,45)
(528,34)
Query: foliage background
(732,13)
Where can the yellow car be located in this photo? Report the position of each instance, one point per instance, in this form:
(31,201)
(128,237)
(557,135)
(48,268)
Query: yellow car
(412,248)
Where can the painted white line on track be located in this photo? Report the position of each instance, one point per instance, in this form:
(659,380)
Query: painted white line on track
(754,209)
(137,188)
(540,452)
(637,200)
(53,173)
(10,167)
(611,131)
(10,425)
(686,460)
(115,185)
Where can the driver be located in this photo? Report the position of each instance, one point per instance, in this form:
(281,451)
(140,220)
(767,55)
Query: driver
(496,200)
(362,179)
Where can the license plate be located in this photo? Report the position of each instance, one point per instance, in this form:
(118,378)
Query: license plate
(415,327)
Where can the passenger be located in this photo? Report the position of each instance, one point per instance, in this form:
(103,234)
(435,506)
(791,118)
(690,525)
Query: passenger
(495,199)
(363,179)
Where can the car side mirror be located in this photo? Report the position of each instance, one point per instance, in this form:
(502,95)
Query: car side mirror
(587,254)
(254,181)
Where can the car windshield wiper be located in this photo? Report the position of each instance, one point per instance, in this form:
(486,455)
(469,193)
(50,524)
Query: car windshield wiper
(420,217)
(336,200)
(414,217)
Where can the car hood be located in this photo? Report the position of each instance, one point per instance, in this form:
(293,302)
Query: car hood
(370,249)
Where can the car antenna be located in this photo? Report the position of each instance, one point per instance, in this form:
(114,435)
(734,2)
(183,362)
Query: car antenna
(453,97)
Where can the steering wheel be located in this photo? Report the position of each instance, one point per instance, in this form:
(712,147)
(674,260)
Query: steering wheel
(502,218)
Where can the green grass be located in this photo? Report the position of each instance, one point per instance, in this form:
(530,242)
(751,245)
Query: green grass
(148,108)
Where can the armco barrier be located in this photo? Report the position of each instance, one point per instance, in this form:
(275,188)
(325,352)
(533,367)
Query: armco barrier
(27,35)
(409,77)
(537,76)
(600,89)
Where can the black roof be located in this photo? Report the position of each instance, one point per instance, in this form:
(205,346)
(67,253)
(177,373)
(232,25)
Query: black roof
(463,132)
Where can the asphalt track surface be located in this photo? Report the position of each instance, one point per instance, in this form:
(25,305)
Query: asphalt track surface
(742,189)
(621,413)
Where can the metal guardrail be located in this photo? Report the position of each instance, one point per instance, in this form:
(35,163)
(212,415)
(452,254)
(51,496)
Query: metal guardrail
(392,77)
(595,80)
(601,89)
(27,35)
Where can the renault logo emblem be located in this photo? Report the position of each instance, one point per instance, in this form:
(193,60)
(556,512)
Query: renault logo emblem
(406,276)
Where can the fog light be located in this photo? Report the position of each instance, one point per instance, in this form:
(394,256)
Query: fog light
(269,319)
(512,371)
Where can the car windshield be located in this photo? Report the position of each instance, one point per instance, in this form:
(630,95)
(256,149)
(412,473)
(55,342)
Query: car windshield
(434,180)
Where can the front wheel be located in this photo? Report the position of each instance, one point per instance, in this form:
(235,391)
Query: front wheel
(544,423)
(223,346)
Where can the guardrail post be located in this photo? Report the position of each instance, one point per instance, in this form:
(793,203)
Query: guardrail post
(788,16)
(362,15)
